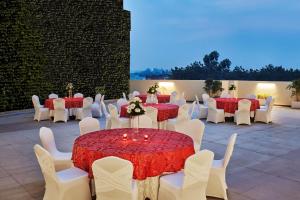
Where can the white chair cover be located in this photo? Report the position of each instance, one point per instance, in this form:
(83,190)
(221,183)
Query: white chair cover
(193,128)
(96,107)
(124,96)
(135,93)
(60,112)
(113,179)
(200,109)
(88,124)
(40,113)
(205,98)
(173,97)
(264,114)
(78,95)
(152,113)
(120,103)
(183,115)
(53,96)
(214,115)
(86,110)
(107,116)
(116,121)
(242,115)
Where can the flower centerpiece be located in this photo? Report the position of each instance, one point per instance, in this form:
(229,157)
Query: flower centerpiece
(69,89)
(153,89)
(135,107)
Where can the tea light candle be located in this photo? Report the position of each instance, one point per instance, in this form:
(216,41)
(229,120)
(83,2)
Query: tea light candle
(146,137)
(124,136)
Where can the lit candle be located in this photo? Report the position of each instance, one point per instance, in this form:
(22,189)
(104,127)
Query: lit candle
(146,137)
(124,136)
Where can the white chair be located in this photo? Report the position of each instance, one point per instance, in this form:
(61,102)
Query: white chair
(86,110)
(193,128)
(202,109)
(60,111)
(40,113)
(78,95)
(242,115)
(102,98)
(53,96)
(173,97)
(192,110)
(124,96)
(107,116)
(120,103)
(214,115)
(183,115)
(142,121)
(135,93)
(62,160)
(96,107)
(191,183)
(268,101)
(205,98)
(264,114)
(251,96)
(116,120)
(68,184)
(130,96)
(181,101)
(113,179)
(217,185)
(151,98)
(88,124)
(152,113)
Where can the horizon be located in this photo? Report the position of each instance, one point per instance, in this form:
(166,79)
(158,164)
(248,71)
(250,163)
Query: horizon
(168,33)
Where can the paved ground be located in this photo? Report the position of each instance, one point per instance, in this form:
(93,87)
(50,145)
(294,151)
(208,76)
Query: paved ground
(265,164)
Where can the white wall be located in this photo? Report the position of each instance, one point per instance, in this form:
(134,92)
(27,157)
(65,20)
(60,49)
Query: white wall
(195,87)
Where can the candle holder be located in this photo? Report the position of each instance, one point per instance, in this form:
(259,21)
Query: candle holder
(125,136)
(146,137)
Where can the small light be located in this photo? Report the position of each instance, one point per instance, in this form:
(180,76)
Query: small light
(146,137)
(124,136)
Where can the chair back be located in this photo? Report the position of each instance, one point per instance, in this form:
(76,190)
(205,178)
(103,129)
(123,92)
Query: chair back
(106,114)
(88,124)
(47,139)
(87,103)
(98,98)
(36,102)
(183,113)
(59,104)
(151,112)
(113,178)
(173,97)
(212,103)
(120,103)
(244,105)
(113,111)
(192,109)
(151,98)
(124,96)
(135,93)
(205,98)
(102,98)
(197,169)
(78,95)
(53,96)
(270,105)
(268,100)
(193,128)
(229,149)
(46,163)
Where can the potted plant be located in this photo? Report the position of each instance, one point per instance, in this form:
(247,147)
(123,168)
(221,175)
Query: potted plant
(231,89)
(213,88)
(69,89)
(134,110)
(295,88)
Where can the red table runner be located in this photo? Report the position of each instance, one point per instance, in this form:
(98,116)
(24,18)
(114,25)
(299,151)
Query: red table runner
(165,151)
(165,111)
(162,98)
(230,105)
(69,103)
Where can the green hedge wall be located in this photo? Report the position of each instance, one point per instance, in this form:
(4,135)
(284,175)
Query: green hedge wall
(47,43)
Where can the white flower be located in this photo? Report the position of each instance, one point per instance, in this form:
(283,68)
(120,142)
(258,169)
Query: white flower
(129,110)
(132,106)
(137,110)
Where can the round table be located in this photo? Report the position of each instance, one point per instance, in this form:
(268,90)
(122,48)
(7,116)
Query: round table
(164,151)
(165,111)
(74,102)
(230,105)
(162,98)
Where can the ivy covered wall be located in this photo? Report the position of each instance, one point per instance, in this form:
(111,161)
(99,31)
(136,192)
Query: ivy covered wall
(45,44)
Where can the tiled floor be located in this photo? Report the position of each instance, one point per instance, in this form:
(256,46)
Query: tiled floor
(265,164)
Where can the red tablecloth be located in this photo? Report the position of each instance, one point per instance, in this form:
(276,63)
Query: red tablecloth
(165,151)
(230,105)
(165,111)
(162,98)
(69,103)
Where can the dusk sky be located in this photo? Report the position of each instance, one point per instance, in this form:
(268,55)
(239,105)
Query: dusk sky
(251,33)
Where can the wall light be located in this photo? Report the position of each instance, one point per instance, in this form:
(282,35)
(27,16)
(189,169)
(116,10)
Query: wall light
(266,86)
(166,84)
(166,87)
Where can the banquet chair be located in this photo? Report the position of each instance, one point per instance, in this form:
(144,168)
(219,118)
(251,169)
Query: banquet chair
(192,110)
(242,115)
(193,128)
(68,184)
(53,96)
(183,115)
(202,109)
(62,160)
(205,98)
(124,96)
(214,115)
(268,101)
(116,120)
(78,95)
(251,96)
(152,113)
(264,114)
(120,103)
(88,124)
(130,96)
(107,116)
(40,113)
(173,97)
(113,179)
(96,107)
(217,185)
(151,98)
(190,183)
(181,101)
(86,110)
(135,93)
(141,121)
(60,111)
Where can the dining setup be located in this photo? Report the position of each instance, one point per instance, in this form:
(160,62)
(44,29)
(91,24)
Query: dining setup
(150,147)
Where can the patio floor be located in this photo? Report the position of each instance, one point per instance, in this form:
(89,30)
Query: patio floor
(265,163)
